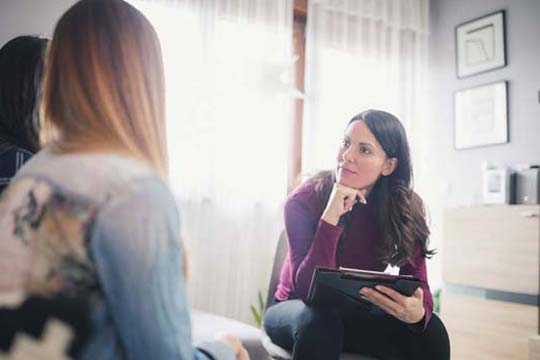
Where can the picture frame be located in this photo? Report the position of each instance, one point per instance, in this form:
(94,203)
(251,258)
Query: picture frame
(481,116)
(481,44)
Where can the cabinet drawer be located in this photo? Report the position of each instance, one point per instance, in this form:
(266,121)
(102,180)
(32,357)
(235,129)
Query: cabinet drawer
(494,247)
(487,329)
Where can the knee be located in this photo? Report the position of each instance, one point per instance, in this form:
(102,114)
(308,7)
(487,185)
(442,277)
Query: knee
(438,336)
(436,328)
(318,325)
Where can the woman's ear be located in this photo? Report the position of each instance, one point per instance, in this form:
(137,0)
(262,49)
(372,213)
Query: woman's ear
(390,165)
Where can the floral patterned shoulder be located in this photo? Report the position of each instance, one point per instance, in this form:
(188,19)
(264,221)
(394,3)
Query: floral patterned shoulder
(44,243)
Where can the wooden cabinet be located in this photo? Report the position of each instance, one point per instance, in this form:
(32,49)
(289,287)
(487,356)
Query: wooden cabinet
(491,271)
(482,329)
(534,347)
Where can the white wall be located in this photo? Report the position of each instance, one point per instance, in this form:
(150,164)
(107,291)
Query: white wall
(30,17)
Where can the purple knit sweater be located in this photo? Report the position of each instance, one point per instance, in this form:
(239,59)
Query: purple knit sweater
(314,242)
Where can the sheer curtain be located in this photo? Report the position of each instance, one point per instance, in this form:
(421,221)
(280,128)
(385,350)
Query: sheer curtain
(363,54)
(229,95)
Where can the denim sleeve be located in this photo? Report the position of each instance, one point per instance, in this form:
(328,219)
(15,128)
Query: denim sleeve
(136,247)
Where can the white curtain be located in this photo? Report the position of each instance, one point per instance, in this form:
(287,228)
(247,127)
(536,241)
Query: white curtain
(229,93)
(361,54)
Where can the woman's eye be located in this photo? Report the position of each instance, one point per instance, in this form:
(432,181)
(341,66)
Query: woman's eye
(344,143)
(365,150)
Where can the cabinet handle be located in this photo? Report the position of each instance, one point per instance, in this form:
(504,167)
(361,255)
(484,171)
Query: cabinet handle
(529,214)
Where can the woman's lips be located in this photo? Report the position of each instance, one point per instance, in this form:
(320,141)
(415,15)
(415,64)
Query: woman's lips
(345,171)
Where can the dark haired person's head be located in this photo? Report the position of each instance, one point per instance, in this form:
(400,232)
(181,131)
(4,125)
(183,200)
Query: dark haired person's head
(374,147)
(21,67)
(374,156)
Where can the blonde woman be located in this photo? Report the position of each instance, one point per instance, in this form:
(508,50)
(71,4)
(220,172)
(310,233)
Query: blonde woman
(90,217)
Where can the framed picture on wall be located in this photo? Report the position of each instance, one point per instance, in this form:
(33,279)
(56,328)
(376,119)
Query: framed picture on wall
(481,116)
(480,44)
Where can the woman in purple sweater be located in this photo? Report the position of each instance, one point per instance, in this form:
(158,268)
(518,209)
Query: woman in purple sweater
(363,215)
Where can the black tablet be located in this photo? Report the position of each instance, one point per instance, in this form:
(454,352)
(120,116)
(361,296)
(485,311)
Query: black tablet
(334,286)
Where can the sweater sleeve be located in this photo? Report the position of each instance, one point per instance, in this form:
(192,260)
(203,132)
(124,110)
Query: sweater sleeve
(138,255)
(312,242)
(419,270)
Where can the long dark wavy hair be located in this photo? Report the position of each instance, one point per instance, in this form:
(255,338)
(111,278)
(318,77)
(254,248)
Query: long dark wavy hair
(400,211)
(21,68)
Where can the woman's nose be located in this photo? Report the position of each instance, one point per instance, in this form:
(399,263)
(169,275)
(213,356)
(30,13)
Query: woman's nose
(347,155)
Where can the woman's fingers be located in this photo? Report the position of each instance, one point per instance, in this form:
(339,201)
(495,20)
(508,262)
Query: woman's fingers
(235,344)
(393,294)
(381,301)
(349,195)
(388,305)
(244,355)
(342,200)
(349,203)
(419,294)
(354,193)
(407,309)
(346,190)
(361,194)
(385,308)
(353,203)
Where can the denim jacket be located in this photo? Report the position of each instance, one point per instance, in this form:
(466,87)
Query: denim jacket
(105,227)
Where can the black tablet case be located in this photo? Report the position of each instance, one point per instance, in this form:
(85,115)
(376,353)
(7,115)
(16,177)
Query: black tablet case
(340,287)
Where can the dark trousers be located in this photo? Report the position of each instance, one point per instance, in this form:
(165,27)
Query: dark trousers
(314,333)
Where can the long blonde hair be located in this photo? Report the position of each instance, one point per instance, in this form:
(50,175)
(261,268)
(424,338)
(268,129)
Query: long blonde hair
(104,84)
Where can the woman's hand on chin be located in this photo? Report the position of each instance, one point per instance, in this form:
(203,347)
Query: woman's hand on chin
(342,200)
